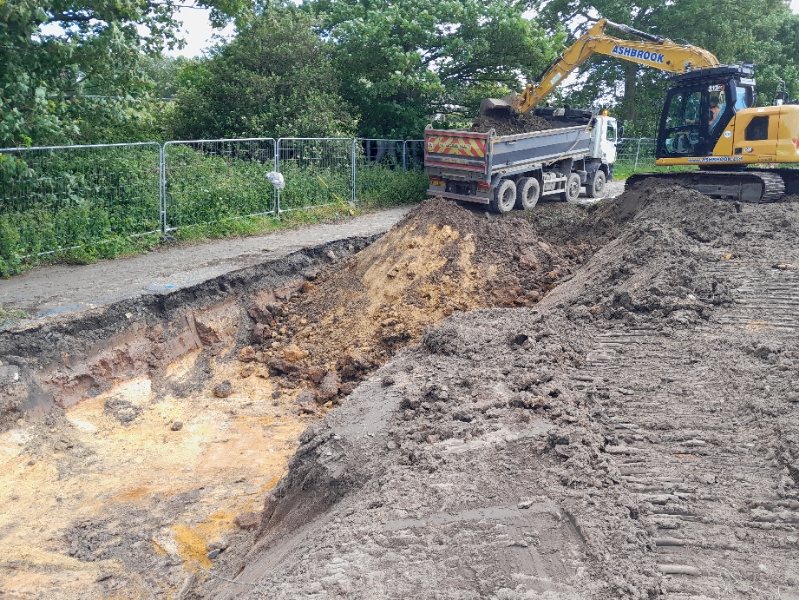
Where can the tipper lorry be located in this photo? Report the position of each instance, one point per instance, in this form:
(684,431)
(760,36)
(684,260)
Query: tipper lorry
(743,152)
(514,171)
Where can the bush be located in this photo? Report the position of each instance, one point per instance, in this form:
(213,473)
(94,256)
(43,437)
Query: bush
(381,186)
(274,77)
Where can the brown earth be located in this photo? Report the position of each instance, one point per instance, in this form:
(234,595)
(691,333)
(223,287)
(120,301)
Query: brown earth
(577,402)
(510,124)
(440,259)
(632,435)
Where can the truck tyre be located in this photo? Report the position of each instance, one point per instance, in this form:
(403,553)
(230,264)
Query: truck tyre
(597,188)
(528,190)
(572,190)
(504,197)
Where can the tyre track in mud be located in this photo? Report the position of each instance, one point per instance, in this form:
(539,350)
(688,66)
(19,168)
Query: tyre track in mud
(646,409)
(702,454)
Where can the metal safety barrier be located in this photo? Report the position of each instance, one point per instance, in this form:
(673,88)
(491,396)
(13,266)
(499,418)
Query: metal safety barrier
(64,197)
(318,172)
(635,154)
(372,158)
(206,181)
(413,155)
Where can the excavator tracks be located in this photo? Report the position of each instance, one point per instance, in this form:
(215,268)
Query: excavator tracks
(700,438)
(743,186)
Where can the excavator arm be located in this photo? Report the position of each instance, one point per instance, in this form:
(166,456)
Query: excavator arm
(653,51)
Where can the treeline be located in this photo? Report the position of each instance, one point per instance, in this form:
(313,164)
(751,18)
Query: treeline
(94,71)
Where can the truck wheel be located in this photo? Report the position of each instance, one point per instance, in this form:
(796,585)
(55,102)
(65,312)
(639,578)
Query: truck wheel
(572,189)
(504,197)
(528,190)
(596,189)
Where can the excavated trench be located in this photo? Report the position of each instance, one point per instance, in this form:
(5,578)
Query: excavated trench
(578,402)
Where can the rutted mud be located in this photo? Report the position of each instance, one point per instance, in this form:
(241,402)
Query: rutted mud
(631,436)
(579,402)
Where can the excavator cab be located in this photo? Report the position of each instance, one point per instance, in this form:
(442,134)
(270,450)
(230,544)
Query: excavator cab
(698,108)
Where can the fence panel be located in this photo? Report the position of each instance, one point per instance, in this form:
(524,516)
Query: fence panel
(206,181)
(645,160)
(374,161)
(635,154)
(386,153)
(318,172)
(413,155)
(62,197)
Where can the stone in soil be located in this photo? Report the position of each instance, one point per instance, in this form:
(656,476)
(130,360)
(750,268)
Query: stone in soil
(223,390)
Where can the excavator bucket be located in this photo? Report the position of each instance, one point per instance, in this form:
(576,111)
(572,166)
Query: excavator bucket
(500,107)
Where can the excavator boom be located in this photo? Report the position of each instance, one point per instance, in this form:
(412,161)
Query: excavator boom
(709,119)
(652,51)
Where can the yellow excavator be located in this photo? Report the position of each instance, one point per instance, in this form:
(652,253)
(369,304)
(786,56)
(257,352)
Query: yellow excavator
(709,119)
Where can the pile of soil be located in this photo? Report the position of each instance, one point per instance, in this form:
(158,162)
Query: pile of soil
(631,435)
(510,124)
(442,258)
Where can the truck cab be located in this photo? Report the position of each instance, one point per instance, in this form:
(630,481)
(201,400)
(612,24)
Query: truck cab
(604,139)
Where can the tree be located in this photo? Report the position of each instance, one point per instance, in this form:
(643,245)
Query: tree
(274,79)
(66,63)
(402,61)
(759,31)
(163,72)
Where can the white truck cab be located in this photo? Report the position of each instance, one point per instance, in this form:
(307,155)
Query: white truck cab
(604,139)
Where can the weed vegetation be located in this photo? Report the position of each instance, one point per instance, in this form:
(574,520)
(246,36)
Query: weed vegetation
(78,206)
(11,316)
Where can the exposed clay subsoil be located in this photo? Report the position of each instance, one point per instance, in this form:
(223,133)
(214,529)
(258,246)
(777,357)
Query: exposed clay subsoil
(631,434)
(130,442)
(577,402)
(510,124)
(440,259)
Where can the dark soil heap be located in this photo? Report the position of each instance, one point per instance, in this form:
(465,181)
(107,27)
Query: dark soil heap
(510,124)
(632,435)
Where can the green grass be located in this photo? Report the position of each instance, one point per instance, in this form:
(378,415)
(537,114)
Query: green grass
(623,170)
(92,206)
(11,316)
(246,226)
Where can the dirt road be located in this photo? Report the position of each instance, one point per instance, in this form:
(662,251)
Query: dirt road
(72,289)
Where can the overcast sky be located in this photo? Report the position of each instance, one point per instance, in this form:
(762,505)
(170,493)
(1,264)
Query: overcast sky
(198,33)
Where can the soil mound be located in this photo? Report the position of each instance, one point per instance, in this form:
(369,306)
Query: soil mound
(588,430)
(577,442)
(510,124)
(651,271)
(442,258)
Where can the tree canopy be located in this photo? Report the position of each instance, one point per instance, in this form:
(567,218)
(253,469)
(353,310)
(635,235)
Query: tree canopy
(274,79)
(402,61)
(93,70)
(69,62)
